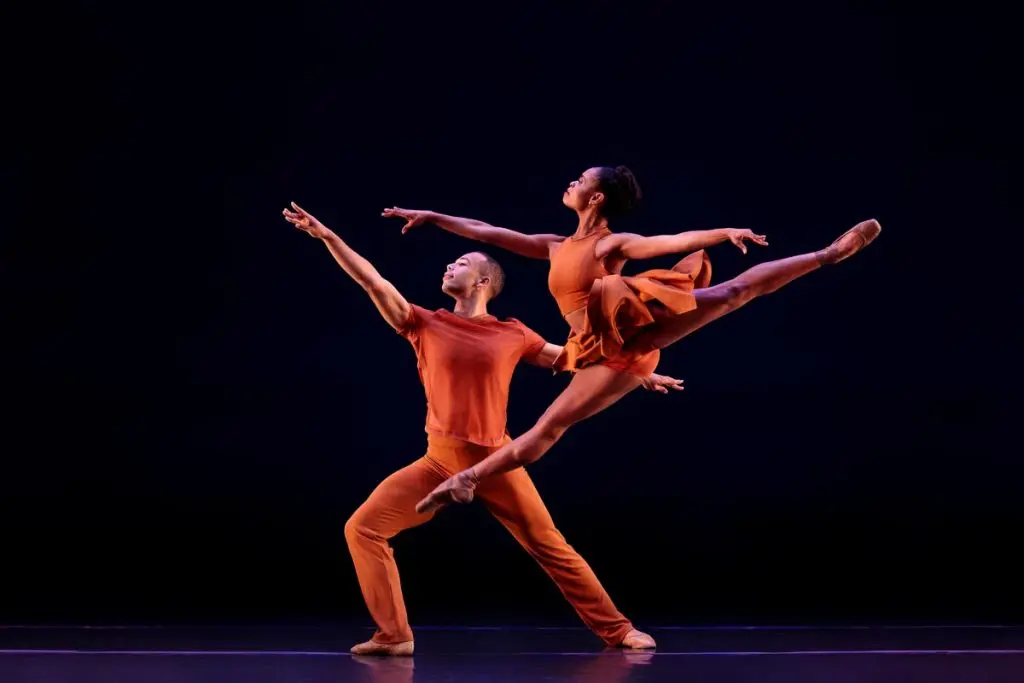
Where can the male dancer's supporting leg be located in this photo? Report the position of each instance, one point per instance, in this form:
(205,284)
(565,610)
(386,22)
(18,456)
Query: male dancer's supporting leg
(388,511)
(514,501)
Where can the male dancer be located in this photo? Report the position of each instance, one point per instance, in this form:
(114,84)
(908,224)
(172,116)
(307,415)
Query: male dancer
(466,360)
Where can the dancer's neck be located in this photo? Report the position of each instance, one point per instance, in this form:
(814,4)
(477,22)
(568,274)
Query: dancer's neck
(589,224)
(473,306)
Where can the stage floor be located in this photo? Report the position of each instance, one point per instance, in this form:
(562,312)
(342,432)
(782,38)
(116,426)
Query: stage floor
(980,654)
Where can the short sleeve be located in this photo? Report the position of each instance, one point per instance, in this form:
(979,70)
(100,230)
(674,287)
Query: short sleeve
(533,343)
(414,322)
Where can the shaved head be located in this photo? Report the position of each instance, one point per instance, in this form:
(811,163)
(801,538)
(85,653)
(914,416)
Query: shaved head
(493,271)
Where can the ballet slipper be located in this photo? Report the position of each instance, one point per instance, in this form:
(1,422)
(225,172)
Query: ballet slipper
(850,242)
(372,648)
(638,640)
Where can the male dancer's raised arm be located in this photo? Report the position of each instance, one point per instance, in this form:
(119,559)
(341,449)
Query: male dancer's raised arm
(388,300)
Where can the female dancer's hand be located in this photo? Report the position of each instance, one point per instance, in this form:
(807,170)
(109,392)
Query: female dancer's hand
(661,383)
(305,221)
(736,236)
(413,219)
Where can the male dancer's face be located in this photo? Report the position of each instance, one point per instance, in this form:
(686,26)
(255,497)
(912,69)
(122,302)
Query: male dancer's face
(464,276)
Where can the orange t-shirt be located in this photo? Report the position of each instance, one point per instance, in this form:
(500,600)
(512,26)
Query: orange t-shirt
(466,367)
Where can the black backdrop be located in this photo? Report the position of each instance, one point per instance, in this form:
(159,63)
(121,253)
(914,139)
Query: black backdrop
(198,397)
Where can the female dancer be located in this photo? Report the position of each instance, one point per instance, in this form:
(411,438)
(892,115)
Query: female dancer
(618,324)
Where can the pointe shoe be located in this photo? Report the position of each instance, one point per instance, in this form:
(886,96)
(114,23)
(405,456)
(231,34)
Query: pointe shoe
(638,640)
(850,242)
(372,648)
(455,489)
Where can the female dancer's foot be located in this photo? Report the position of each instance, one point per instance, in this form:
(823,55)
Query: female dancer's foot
(638,640)
(850,242)
(372,648)
(455,489)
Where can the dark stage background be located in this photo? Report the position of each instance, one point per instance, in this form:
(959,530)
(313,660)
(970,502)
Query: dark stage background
(197,397)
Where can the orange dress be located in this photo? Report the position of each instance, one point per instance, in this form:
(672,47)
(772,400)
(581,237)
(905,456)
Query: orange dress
(617,306)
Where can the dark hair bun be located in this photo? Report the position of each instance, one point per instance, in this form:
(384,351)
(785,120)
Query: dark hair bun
(631,193)
(622,193)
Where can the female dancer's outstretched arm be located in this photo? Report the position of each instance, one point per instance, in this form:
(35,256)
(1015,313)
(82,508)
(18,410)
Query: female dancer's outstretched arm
(629,246)
(531,246)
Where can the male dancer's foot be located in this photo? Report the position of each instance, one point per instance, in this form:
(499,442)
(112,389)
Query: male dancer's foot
(850,242)
(372,648)
(638,640)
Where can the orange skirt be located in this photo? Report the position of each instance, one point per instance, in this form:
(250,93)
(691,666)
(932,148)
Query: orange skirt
(618,308)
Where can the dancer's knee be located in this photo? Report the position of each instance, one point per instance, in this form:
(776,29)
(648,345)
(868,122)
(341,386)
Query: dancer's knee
(535,443)
(545,541)
(356,530)
(735,293)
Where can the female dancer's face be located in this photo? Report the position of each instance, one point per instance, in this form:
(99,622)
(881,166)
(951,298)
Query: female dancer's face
(583,192)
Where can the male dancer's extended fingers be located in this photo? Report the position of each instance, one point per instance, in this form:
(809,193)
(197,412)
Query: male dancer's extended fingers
(300,209)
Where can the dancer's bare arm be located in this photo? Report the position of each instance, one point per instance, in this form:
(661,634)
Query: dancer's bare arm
(653,382)
(629,246)
(531,246)
(546,357)
(388,300)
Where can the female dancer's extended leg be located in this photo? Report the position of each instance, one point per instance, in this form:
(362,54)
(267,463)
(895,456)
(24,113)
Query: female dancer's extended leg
(597,387)
(591,390)
(765,278)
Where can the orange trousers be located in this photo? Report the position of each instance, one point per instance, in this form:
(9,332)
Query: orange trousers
(511,498)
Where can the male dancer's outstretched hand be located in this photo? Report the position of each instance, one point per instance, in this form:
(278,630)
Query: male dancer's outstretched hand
(736,236)
(305,221)
(661,383)
(412,218)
